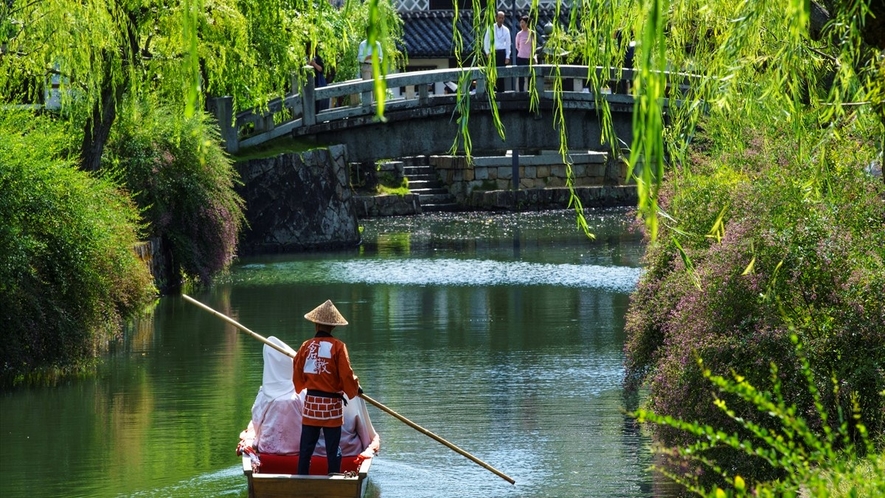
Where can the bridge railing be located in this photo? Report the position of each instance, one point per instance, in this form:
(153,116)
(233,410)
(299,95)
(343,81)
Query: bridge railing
(296,112)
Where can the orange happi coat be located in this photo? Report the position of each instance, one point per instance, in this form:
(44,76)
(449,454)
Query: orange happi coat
(322,364)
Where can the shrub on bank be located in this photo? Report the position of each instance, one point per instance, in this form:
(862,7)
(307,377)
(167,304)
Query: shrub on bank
(809,462)
(183,181)
(69,274)
(762,241)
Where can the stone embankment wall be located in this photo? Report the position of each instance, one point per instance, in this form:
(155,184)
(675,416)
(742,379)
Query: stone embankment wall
(373,206)
(598,181)
(153,254)
(553,198)
(297,202)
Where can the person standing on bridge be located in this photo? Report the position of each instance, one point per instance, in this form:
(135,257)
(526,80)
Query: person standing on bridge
(498,37)
(319,72)
(364,60)
(364,55)
(322,366)
(525,41)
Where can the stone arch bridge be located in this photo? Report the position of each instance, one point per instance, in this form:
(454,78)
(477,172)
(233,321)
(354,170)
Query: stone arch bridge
(422,117)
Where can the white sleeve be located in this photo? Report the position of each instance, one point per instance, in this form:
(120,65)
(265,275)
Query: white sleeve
(507,30)
(361,52)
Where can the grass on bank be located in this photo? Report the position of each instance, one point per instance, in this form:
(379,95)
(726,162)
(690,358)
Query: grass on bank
(858,478)
(282,145)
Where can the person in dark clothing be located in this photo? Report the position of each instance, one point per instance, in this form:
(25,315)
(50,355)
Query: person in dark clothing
(623,85)
(319,73)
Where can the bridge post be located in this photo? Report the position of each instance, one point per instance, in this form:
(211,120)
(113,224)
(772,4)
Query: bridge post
(309,102)
(481,84)
(222,107)
(423,94)
(366,98)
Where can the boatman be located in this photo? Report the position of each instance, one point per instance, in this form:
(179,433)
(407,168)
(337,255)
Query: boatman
(322,366)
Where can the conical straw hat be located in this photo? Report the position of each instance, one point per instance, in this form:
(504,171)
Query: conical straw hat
(326,314)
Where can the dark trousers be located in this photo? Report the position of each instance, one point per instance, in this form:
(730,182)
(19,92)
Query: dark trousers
(322,104)
(521,82)
(500,57)
(309,436)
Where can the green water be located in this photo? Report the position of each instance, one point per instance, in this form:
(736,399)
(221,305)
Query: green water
(501,333)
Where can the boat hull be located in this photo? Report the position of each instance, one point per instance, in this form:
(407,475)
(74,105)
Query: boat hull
(347,485)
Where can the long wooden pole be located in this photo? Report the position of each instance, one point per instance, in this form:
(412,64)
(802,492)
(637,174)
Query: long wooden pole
(237,325)
(438,439)
(369,400)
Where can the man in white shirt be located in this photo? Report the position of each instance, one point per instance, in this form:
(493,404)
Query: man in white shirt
(364,57)
(501,44)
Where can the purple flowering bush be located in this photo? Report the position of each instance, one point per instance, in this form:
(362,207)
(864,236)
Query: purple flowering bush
(753,251)
(183,181)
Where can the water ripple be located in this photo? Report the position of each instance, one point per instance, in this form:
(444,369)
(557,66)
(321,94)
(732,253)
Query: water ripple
(451,272)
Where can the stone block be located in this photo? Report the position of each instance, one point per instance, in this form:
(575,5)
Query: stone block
(595,170)
(555,181)
(579,170)
(557,171)
(283,202)
(505,172)
(529,172)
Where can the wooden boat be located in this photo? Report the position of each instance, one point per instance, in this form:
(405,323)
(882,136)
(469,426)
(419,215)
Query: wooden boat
(276,476)
(348,484)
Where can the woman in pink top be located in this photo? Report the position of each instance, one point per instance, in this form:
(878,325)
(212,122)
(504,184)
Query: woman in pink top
(525,41)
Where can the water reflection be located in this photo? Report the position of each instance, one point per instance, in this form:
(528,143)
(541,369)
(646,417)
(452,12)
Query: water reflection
(502,334)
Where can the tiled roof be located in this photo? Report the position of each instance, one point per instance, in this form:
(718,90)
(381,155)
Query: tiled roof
(428,34)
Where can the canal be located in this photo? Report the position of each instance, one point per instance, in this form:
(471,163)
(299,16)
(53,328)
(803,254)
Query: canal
(502,333)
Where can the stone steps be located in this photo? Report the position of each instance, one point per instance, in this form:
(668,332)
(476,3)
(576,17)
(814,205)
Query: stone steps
(424,182)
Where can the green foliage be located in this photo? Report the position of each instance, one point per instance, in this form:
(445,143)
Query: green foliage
(763,238)
(273,148)
(390,183)
(184,183)
(177,52)
(808,462)
(69,274)
(760,61)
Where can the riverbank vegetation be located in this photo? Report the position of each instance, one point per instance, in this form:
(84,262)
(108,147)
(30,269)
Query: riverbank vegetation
(69,275)
(183,183)
(124,151)
(768,272)
(759,323)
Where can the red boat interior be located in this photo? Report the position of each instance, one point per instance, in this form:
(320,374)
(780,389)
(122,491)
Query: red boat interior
(288,464)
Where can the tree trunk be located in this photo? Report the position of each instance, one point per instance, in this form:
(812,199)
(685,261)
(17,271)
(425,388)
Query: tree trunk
(104,112)
(98,127)
(819,18)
